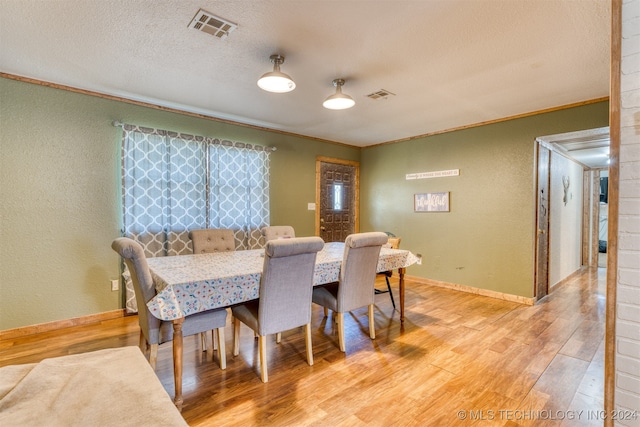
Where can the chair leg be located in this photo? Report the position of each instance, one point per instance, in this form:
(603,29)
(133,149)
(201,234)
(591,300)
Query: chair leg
(278,337)
(340,319)
(372,327)
(326,312)
(214,339)
(307,333)
(153,356)
(236,336)
(393,303)
(221,350)
(380,291)
(204,339)
(144,345)
(262,342)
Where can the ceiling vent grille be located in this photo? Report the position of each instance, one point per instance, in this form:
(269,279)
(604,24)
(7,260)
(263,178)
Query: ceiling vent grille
(211,24)
(381,94)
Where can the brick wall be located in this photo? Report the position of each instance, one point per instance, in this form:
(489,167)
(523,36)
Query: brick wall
(627,381)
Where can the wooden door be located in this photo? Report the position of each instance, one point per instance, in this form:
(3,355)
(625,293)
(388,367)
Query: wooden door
(542,222)
(337,196)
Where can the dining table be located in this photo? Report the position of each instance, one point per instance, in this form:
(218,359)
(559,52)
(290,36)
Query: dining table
(189,284)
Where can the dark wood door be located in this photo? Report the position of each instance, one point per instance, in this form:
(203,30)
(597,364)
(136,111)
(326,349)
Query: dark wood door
(542,240)
(337,199)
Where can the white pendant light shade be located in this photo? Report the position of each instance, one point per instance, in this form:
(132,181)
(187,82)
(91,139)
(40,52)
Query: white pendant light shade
(276,81)
(339,100)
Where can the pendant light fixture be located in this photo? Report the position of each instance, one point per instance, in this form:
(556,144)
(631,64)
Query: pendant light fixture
(276,81)
(339,100)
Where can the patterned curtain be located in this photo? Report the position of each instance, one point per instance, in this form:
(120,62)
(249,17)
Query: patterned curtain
(173,183)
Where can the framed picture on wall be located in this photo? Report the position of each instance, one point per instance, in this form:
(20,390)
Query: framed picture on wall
(431,202)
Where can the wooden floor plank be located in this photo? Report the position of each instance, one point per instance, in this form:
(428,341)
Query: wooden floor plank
(458,359)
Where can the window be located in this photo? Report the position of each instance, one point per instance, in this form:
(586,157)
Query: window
(337,197)
(173,183)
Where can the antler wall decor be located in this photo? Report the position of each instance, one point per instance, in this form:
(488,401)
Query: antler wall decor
(565,183)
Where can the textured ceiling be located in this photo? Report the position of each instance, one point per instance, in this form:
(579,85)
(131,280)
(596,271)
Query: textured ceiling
(450,63)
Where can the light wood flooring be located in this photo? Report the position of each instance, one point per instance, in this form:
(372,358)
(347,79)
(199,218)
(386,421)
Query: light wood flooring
(460,359)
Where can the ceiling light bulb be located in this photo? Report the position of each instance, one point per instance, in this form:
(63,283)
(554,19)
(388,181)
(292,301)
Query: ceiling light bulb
(339,100)
(276,81)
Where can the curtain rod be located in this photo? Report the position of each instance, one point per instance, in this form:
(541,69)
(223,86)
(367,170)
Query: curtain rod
(120,124)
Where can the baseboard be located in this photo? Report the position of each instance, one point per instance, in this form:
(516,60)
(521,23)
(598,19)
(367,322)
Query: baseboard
(114,314)
(471,290)
(570,277)
(60,324)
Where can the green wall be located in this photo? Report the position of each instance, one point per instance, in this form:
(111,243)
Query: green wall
(60,196)
(487,239)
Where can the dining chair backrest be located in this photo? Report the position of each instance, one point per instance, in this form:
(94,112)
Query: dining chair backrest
(394,242)
(212,240)
(153,330)
(358,271)
(278,232)
(143,286)
(286,283)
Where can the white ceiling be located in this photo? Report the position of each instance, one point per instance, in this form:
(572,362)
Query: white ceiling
(451,63)
(589,147)
(593,153)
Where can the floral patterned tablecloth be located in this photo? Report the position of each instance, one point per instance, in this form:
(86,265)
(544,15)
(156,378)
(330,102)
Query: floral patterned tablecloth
(188,284)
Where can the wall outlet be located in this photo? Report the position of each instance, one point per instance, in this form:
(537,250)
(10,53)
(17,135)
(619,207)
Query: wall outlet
(115,285)
(419,259)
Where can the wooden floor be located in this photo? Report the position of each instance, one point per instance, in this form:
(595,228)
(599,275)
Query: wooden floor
(460,359)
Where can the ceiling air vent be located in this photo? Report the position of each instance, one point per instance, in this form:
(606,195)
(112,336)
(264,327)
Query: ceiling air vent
(380,94)
(211,24)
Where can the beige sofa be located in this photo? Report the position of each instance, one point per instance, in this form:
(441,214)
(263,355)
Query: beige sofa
(101,388)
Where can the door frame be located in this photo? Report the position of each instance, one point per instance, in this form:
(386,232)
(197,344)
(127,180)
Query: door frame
(356,189)
(540,290)
(591,227)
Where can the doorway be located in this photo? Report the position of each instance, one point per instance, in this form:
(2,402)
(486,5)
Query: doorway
(337,198)
(590,150)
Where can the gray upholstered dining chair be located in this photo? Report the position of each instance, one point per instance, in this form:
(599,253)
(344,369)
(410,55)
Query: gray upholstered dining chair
(212,240)
(209,240)
(154,331)
(278,232)
(285,295)
(355,288)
